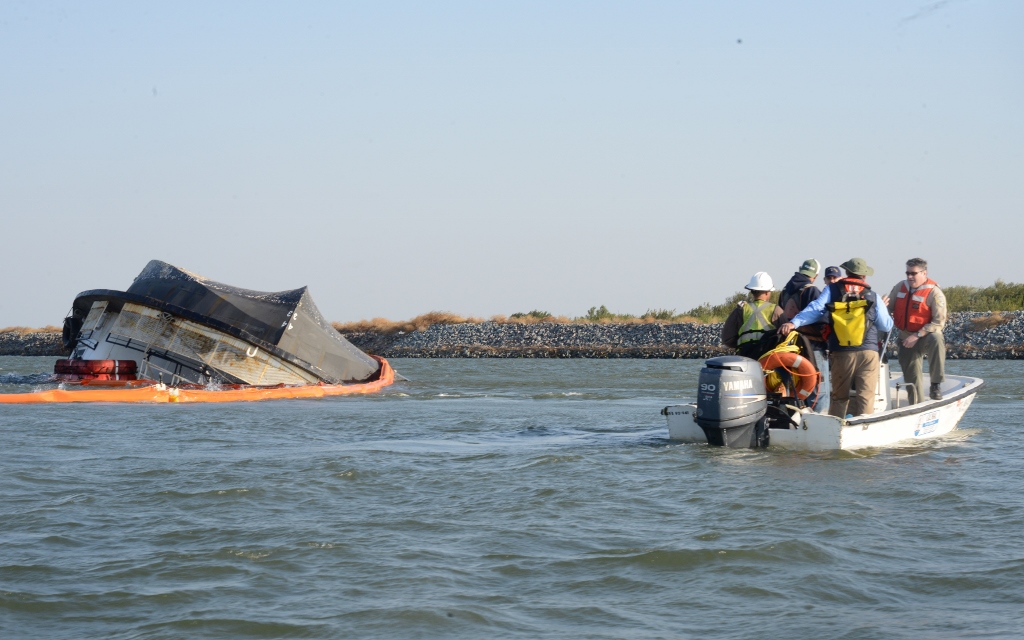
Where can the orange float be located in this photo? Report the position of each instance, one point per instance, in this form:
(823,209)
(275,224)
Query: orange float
(156,393)
(804,373)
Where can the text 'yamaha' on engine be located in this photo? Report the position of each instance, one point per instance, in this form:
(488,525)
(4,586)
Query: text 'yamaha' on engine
(732,402)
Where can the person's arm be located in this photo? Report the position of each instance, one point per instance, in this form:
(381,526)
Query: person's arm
(731,328)
(812,313)
(937,303)
(883,321)
(776,315)
(891,304)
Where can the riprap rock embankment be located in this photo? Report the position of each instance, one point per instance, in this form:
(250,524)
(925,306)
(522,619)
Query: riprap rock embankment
(966,338)
(38,343)
(548,340)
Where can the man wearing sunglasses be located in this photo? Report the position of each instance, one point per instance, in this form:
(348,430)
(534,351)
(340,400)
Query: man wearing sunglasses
(918,307)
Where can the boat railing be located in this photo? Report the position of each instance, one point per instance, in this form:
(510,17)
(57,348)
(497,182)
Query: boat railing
(905,384)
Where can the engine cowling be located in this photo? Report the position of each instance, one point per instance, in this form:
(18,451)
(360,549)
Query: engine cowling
(732,402)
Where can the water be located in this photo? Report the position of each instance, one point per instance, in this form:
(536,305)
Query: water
(498,498)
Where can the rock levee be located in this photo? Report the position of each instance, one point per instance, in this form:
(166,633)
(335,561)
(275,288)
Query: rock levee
(965,339)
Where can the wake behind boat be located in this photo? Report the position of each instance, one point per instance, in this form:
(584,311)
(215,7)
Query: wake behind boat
(733,409)
(185,338)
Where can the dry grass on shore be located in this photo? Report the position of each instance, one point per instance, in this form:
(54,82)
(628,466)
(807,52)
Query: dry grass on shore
(26,330)
(990,321)
(387,327)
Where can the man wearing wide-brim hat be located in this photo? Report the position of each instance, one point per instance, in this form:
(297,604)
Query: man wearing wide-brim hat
(854,355)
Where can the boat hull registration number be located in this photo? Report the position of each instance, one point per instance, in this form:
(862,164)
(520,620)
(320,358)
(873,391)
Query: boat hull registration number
(927,423)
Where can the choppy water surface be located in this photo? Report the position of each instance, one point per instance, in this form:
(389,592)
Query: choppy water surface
(498,498)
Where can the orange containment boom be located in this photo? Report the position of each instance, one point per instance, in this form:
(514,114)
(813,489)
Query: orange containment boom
(162,393)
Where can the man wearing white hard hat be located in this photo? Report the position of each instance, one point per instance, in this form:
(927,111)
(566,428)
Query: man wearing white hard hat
(752,318)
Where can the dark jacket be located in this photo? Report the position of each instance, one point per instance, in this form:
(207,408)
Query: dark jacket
(801,289)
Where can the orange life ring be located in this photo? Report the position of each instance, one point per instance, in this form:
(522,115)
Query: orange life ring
(804,372)
(94,367)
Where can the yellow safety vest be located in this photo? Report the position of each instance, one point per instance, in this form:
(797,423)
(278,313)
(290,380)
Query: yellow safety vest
(755,320)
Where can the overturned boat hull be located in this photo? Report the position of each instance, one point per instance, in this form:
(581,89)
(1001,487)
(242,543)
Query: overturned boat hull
(175,336)
(180,327)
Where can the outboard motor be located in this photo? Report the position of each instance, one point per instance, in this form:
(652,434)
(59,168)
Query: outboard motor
(732,402)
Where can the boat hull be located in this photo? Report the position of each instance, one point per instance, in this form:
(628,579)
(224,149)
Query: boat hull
(818,432)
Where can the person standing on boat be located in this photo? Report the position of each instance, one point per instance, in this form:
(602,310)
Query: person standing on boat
(800,290)
(919,311)
(853,357)
(832,274)
(752,319)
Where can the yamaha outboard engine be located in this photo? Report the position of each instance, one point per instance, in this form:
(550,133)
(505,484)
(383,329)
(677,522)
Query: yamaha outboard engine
(732,402)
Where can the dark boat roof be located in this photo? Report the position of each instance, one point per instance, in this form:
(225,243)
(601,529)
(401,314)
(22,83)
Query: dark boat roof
(285,323)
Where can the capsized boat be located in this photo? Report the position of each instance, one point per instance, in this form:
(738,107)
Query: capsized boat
(175,336)
(734,409)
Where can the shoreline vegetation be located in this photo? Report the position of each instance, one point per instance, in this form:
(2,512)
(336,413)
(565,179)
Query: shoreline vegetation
(995,300)
(985,322)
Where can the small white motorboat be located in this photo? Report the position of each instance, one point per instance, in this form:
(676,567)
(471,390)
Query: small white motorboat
(733,409)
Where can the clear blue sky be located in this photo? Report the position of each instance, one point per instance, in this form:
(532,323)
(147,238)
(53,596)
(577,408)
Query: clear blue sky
(493,157)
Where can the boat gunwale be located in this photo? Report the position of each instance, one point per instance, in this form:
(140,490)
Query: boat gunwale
(972,387)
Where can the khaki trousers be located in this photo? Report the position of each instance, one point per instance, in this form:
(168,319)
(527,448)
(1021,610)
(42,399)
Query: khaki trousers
(932,345)
(849,369)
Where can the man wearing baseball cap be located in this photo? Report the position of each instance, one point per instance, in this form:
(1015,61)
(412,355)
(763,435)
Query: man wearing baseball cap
(800,289)
(832,274)
(854,358)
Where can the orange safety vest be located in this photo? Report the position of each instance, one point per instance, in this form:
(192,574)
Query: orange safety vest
(912,310)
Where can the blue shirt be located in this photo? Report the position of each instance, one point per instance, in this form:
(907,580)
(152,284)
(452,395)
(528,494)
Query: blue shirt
(816,312)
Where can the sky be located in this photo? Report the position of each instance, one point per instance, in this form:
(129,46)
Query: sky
(488,158)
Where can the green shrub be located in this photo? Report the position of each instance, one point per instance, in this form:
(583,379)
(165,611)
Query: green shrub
(603,315)
(659,314)
(707,313)
(536,314)
(1002,296)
